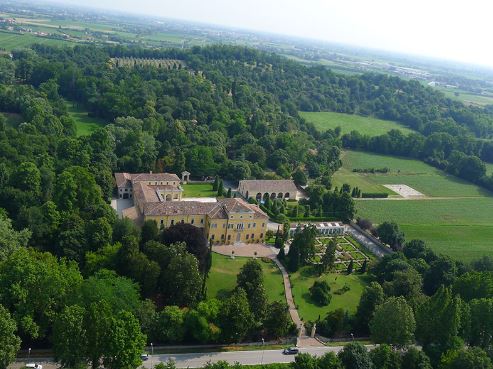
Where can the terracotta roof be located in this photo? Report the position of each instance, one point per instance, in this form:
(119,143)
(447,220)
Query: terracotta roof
(125,179)
(271,186)
(218,210)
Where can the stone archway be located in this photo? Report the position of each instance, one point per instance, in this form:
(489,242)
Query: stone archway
(185,177)
(168,197)
(280,195)
(286,195)
(266,196)
(258,197)
(273,195)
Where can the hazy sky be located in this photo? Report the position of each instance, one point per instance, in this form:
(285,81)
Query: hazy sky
(454,29)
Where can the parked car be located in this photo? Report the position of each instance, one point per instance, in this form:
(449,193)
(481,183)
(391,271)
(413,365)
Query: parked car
(34,366)
(291,351)
(144,357)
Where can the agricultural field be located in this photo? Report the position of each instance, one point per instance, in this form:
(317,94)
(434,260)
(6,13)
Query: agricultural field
(345,298)
(454,217)
(349,122)
(10,40)
(466,97)
(84,123)
(198,190)
(420,176)
(222,277)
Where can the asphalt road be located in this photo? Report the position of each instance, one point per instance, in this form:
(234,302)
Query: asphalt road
(242,357)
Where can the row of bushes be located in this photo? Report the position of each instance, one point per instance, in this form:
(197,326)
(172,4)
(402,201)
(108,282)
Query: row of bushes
(371,170)
(374,195)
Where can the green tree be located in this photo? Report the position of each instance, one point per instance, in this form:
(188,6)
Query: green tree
(27,177)
(320,293)
(125,342)
(10,239)
(220,188)
(70,337)
(371,297)
(277,321)
(10,343)
(329,257)
(472,358)
(414,358)
(235,318)
(393,322)
(350,267)
(149,231)
(355,356)
(390,233)
(169,325)
(383,357)
(299,177)
(251,280)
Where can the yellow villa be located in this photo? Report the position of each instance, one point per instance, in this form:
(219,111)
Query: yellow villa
(159,197)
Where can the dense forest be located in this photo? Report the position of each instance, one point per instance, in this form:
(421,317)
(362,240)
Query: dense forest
(70,271)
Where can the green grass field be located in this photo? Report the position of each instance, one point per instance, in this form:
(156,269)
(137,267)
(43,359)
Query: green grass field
(458,222)
(222,277)
(9,40)
(466,97)
(199,190)
(348,122)
(416,174)
(85,124)
(302,280)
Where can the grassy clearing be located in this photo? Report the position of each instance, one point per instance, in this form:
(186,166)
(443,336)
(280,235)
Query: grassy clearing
(466,97)
(416,174)
(302,280)
(84,123)
(222,277)
(199,190)
(348,122)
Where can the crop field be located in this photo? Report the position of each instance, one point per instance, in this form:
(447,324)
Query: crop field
(85,124)
(222,277)
(349,122)
(466,97)
(303,279)
(10,40)
(416,174)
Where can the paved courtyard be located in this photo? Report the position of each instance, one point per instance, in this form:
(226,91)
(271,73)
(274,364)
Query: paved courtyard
(246,249)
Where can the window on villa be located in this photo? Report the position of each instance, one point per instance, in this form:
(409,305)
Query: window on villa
(229,237)
(172,222)
(254,225)
(162,221)
(182,221)
(192,221)
(248,225)
(263,224)
(247,236)
(212,237)
(201,221)
(261,235)
(224,225)
(222,237)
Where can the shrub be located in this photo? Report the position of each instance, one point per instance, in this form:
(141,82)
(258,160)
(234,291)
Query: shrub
(320,293)
(374,195)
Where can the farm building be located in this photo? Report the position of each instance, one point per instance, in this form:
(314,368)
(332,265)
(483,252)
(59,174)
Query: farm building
(142,186)
(325,229)
(275,189)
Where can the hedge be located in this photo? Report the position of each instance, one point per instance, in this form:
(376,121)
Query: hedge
(374,195)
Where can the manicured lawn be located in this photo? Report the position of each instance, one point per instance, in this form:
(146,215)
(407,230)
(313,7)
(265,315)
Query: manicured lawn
(349,122)
(414,173)
(85,124)
(222,277)
(199,190)
(302,280)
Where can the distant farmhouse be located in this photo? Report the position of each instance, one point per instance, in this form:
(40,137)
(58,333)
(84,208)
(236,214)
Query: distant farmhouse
(158,197)
(275,189)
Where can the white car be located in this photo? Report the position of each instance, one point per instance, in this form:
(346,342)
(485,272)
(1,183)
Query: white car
(34,366)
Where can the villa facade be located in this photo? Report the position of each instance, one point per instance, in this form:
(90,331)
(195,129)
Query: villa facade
(158,197)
